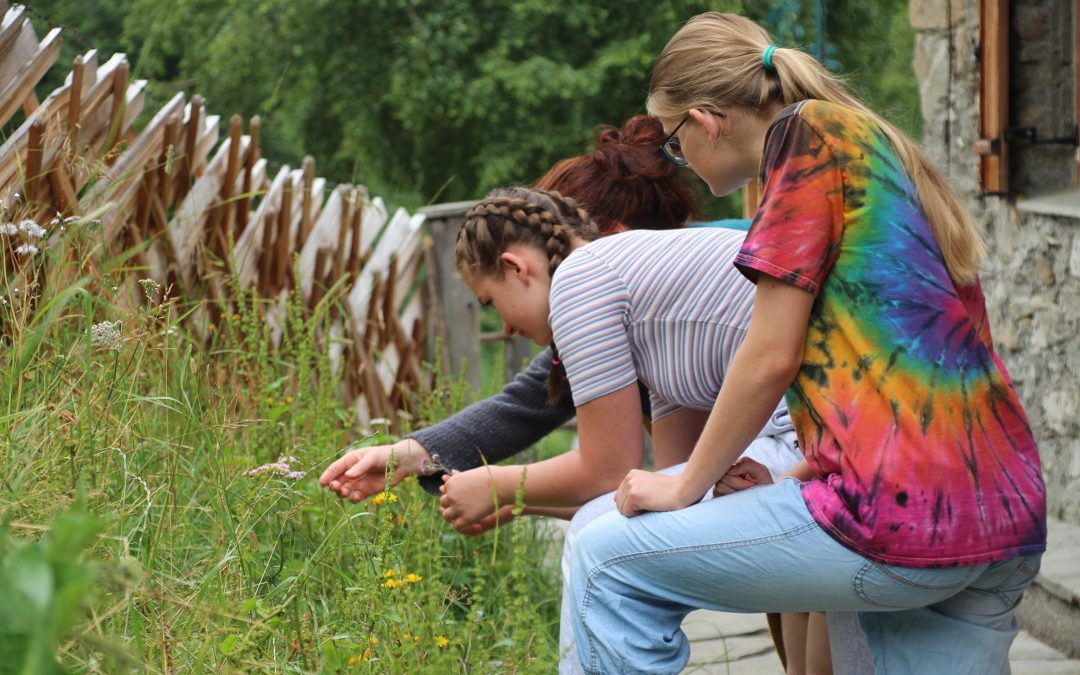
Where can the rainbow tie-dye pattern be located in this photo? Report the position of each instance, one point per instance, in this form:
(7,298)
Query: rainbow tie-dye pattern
(923,453)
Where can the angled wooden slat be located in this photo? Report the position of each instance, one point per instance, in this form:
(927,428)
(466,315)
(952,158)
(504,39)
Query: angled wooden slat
(250,158)
(120,183)
(11,28)
(248,251)
(186,230)
(324,233)
(27,77)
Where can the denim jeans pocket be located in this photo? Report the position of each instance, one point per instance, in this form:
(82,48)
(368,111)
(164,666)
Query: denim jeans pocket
(1007,580)
(894,587)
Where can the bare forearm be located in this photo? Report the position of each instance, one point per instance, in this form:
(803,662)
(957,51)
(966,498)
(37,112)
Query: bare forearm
(566,480)
(560,512)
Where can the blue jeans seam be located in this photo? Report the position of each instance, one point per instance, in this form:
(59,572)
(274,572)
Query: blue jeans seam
(860,587)
(585,600)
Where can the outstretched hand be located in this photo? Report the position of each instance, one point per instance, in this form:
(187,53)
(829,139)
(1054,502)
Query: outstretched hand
(361,473)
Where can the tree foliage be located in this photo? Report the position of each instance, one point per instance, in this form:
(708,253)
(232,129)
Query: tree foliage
(429,100)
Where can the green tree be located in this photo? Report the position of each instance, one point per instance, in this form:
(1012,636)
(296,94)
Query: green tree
(437,101)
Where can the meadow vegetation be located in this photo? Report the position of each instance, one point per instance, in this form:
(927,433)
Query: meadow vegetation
(160,504)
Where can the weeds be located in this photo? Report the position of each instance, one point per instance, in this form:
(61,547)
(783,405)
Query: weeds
(194,460)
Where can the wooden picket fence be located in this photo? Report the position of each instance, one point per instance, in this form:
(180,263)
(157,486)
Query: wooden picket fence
(198,207)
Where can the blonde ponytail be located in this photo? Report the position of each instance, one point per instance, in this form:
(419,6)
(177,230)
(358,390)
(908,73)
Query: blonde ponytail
(715,60)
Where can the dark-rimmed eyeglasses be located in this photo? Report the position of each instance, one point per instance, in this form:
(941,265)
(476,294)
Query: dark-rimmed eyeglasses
(671,148)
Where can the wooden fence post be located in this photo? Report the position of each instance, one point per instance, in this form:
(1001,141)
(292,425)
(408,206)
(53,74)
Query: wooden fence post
(460,329)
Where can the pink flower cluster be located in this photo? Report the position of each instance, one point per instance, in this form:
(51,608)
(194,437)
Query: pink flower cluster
(282,467)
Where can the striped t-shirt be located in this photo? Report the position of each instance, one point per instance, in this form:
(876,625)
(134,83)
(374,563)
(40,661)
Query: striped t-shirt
(665,307)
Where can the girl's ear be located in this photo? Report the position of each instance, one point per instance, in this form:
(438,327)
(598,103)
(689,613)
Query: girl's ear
(714,124)
(515,264)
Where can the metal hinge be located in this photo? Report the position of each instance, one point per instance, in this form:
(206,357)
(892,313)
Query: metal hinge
(992,146)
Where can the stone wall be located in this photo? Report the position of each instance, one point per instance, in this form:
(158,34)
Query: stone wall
(1032,273)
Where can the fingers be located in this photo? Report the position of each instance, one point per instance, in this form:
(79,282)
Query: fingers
(751,470)
(339,467)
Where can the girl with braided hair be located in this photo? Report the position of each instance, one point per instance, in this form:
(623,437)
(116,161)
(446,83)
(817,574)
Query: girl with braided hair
(625,185)
(636,307)
(920,504)
(614,311)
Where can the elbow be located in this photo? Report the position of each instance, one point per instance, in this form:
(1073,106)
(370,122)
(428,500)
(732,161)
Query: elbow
(779,366)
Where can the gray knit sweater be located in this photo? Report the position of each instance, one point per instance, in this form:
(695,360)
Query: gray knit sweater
(497,427)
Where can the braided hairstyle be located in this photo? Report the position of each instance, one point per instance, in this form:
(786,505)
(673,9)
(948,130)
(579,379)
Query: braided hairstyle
(522,216)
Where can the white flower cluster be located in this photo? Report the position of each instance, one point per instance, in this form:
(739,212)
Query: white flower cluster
(106,335)
(30,230)
(150,287)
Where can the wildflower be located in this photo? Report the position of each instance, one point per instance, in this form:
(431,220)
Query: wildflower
(281,467)
(213,328)
(353,660)
(236,317)
(269,400)
(288,400)
(366,656)
(393,583)
(391,573)
(442,642)
(413,578)
(383,496)
(10,229)
(32,229)
(106,335)
(373,640)
(27,249)
(406,636)
(150,287)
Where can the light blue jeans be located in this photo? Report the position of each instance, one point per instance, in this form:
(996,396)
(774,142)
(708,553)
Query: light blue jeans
(635,579)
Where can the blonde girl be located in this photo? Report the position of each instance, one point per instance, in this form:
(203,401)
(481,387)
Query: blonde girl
(920,503)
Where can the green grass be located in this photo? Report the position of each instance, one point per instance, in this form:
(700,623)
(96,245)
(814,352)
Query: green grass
(196,566)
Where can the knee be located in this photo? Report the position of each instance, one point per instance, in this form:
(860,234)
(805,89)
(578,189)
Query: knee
(598,543)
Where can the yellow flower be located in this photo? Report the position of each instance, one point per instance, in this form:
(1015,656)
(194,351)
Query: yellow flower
(390,573)
(269,400)
(288,400)
(236,317)
(353,660)
(373,640)
(413,578)
(213,328)
(393,583)
(367,654)
(442,642)
(383,496)
(416,638)
(406,636)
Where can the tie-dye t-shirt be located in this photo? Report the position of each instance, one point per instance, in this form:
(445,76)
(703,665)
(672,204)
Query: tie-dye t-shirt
(922,452)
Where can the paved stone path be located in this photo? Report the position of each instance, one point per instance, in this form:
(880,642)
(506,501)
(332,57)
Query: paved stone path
(739,644)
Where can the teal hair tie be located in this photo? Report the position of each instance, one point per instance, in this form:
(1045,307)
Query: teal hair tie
(766,57)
